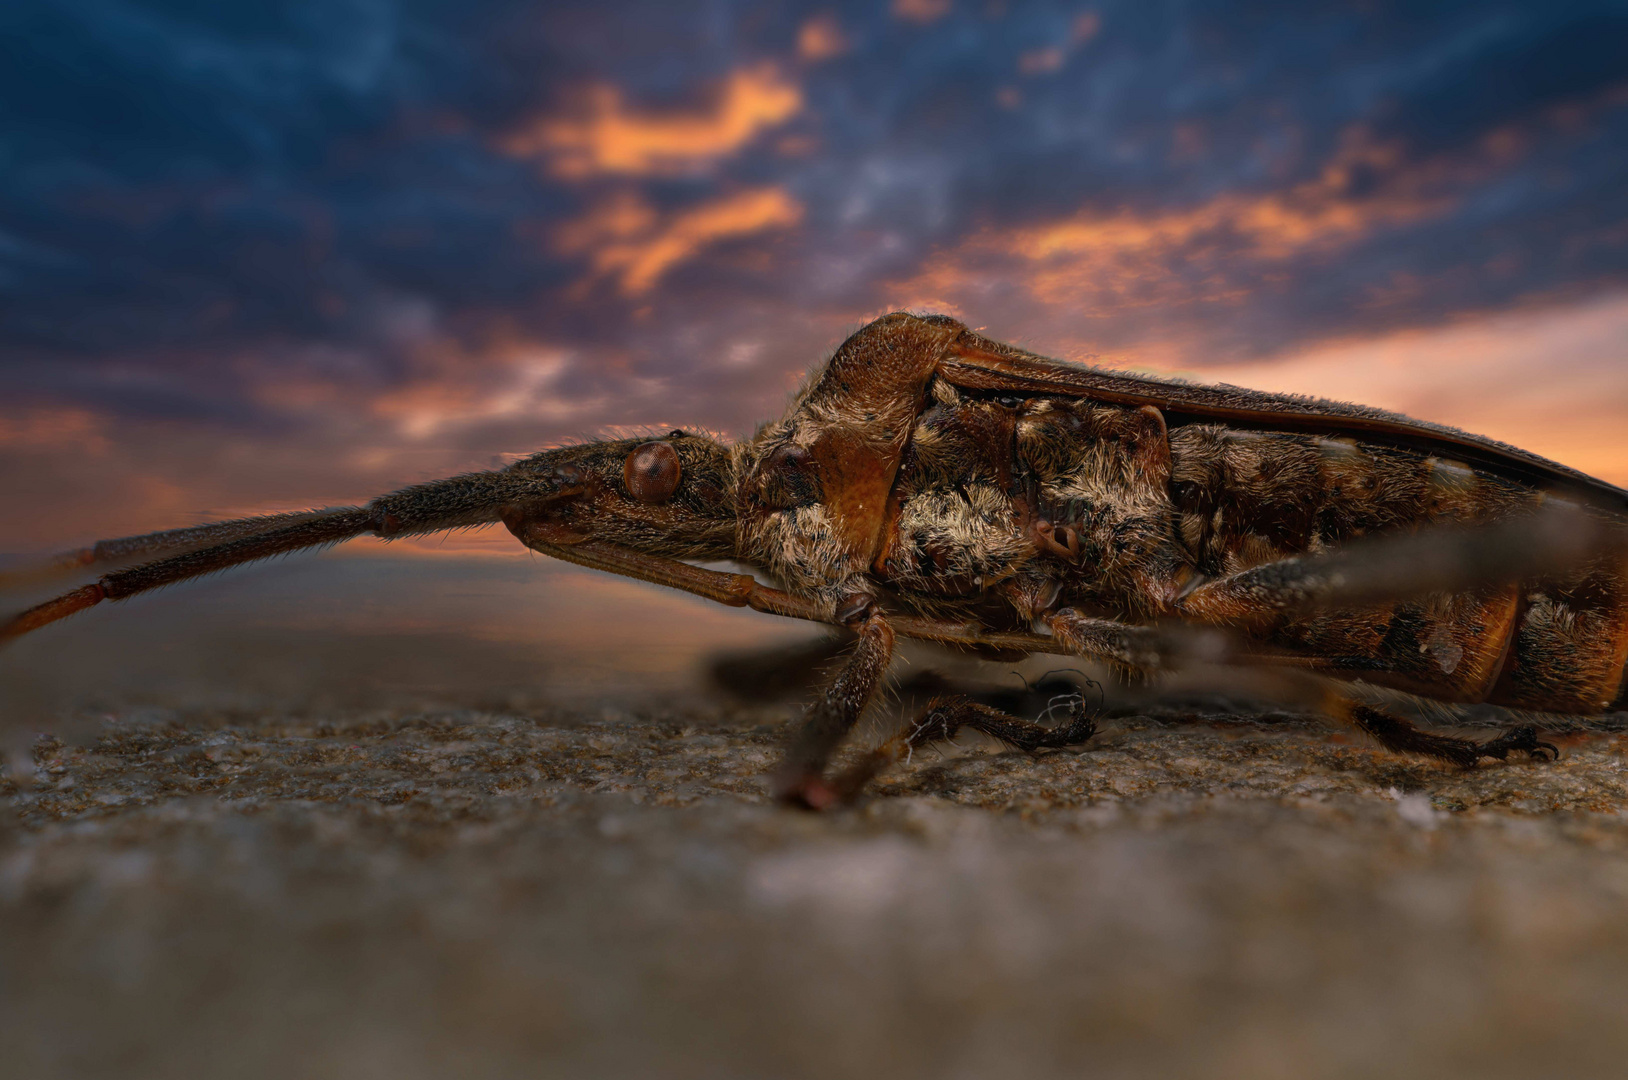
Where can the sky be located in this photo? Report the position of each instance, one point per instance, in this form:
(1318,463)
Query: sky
(266,255)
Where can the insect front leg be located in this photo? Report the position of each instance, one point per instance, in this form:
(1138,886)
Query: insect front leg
(800,780)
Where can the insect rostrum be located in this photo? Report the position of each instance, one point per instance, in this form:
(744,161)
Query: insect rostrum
(932,483)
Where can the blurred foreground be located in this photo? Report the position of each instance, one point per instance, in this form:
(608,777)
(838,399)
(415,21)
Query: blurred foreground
(347,843)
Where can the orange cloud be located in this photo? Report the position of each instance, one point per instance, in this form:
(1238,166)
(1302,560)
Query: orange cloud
(1551,380)
(1318,213)
(621,216)
(608,136)
(1050,58)
(1104,262)
(627,240)
(1041,61)
(511,378)
(58,430)
(921,11)
(1085,27)
(821,38)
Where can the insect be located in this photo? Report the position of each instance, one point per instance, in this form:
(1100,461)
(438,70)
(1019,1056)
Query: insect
(932,483)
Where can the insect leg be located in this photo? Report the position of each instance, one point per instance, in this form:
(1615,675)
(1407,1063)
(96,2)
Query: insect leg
(947,715)
(734,590)
(1149,649)
(1447,558)
(1395,733)
(777,671)
(943,719)
(1135,647)
(800,780)
(1142,649)
(1264,594)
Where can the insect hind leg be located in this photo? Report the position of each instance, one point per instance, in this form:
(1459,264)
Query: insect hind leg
(1397,734)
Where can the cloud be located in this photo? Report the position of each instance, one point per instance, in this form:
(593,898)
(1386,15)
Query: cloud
(921,11)
(626,238)
(1050,58)
(1325,212)
(1159,278)
(53,430)
(821,38)
(525,385)
(1553,379)
(606,136)
(335,251)
(1041,61)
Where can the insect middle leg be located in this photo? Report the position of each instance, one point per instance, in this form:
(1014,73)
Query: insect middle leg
(944,718)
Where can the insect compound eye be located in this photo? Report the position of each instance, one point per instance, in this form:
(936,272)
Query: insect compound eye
(652,472)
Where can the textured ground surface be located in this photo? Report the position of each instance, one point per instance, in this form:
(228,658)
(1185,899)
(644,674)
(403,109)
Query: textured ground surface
(459,892)
(313,854)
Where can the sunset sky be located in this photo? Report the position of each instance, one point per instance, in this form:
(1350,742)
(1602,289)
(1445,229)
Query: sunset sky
(268,255)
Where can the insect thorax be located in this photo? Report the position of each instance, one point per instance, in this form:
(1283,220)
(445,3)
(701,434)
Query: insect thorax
(985,479)
(976,486)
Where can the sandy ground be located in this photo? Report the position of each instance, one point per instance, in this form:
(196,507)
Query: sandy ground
(287,882)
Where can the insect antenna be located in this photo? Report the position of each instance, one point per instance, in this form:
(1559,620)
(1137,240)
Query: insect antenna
(458,502)
(126,549)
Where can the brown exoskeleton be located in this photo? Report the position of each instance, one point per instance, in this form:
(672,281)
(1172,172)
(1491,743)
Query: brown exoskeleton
(933,483)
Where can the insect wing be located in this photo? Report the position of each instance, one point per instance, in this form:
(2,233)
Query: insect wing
(976,363)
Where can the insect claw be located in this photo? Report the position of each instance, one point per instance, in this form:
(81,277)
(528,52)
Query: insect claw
(1524,739)
(807,792)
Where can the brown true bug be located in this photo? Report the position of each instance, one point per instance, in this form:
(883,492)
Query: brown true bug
(932,483)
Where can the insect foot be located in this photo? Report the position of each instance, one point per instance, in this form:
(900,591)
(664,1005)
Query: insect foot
(1394,733)
(1524,739)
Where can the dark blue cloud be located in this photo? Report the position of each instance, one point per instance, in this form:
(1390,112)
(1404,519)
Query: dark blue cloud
(199,198)
(152,92)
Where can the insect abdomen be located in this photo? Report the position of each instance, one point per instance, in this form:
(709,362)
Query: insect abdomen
(1249,497)
(1569,648)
